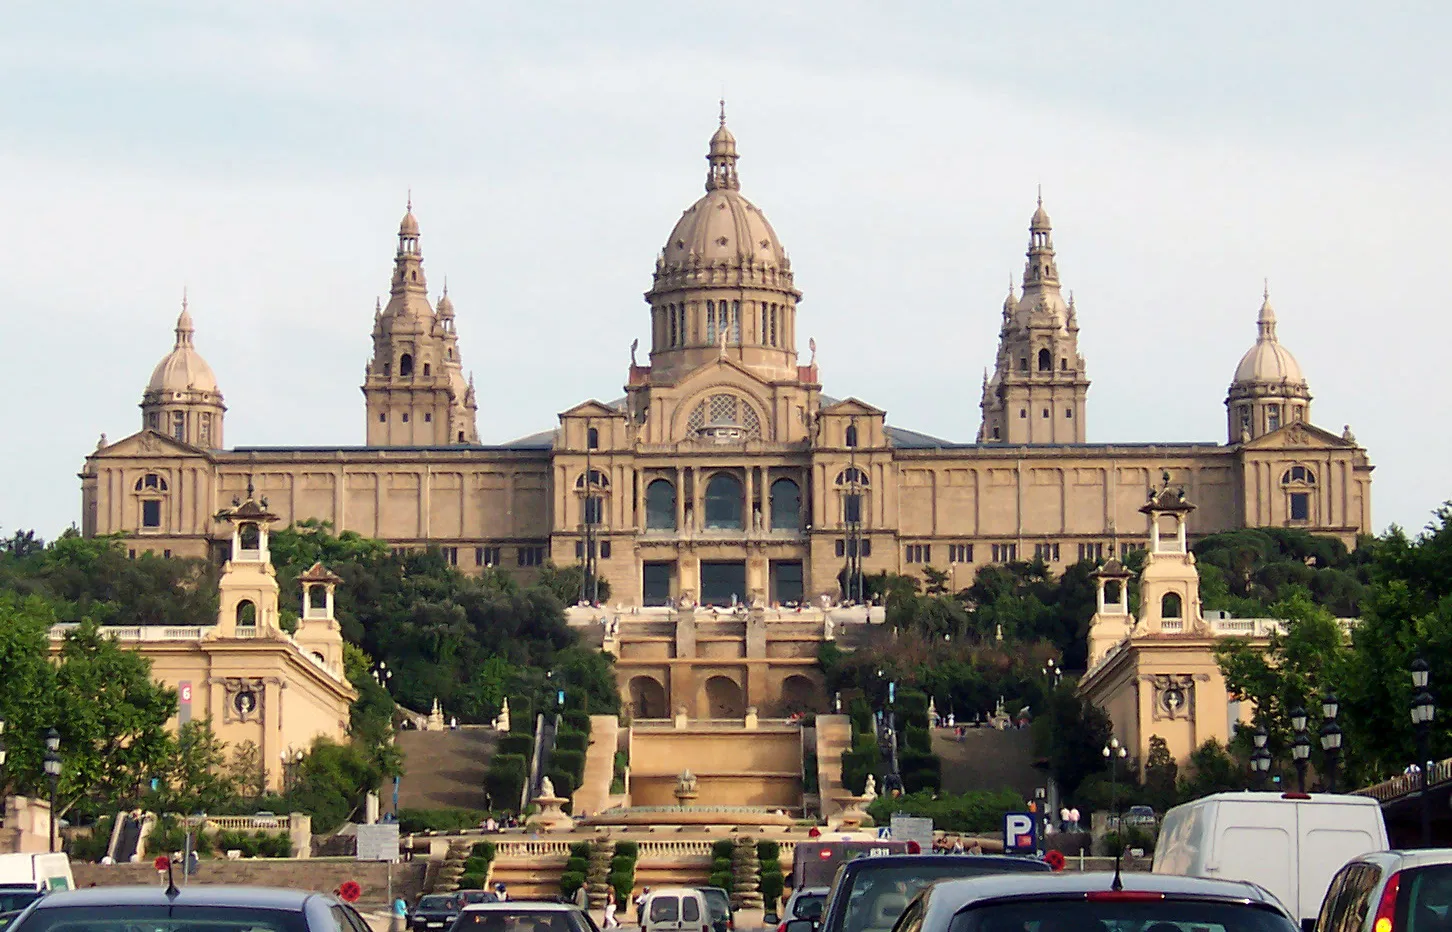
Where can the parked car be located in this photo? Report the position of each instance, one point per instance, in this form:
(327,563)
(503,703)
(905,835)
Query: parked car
(718,901)
(214,908)
(523,916)
(1140,816)
(805,903)
(868,894)
(24,877)
(1390,891)
(475,897)
(434,911)
(676,909)
(1068,902)
(1289,843)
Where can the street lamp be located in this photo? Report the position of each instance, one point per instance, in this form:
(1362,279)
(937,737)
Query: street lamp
(1301,748)
(53,771)
(381,674)
(1424,710)
(1114,753)
(1330,738)
(1053,672)
(1260,758)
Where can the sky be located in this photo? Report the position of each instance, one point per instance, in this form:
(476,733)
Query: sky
(259,156)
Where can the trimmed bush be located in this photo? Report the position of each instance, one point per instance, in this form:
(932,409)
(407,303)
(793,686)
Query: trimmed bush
(721,879)
(621,863)
(627,849)
(572,741)
(512,743)
(474,865)
(767,851)
(483,849)
(917,739)
(580,849)
(563,780)
(722,849)
(622,884)
(922,780)
(576,720)
(521,718)
(471,882)
(167,835)
(570,881)
(577,865)
(571,762)
(452,819)
(504,782)
(772,882)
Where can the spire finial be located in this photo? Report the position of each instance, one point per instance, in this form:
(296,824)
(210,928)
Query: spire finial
(1266,293)
(1041,195)
(250,490)
(184,298)
(723,110)
(446,286)
(409,204)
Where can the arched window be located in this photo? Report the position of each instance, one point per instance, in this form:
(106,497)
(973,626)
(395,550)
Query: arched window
(723,502)
(852,476)
(1046,361)
(711,321)
(151,482)
(786,505)
(592,438)
(851,435)
(597,479)
(249,536)
(1298,474)
(317,596)
(1170,605)
(426,368)
(405,365)
(246,614)
(1023,364)
(660,505)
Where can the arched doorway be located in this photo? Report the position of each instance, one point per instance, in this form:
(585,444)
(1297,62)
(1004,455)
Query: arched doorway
(723,698)
(723,502)
(798,694)
(647,698)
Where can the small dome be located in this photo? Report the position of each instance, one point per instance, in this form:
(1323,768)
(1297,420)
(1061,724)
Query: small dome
(723,142)
(723,225)
(445,306)
(183,369)
(408,226)
(1268,362)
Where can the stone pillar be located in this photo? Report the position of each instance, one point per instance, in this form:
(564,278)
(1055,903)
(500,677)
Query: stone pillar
(680,500)
(748,512)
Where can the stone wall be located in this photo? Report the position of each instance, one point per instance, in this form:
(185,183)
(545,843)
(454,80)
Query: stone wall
(320,874)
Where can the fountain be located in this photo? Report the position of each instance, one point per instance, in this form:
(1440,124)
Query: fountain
(551,817)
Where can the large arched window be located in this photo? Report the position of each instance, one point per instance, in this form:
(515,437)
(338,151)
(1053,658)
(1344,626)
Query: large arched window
(723,502)
(246,614)
(786,505)
(1170,605)
(660,505)
(1046,361)
(852,476)
(851,435)
(249,536)
(405,365)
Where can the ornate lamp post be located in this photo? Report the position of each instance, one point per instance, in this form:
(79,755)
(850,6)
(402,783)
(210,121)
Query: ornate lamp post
(1424,710)
(1260,758)
(1301,748)
(1053,673)
(1330,738)
(382,675)
(1114,753)
(53,771)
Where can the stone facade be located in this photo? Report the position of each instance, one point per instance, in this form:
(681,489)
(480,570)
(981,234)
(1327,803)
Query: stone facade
(724,474)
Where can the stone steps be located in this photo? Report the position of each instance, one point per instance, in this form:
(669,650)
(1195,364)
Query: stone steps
(444,768)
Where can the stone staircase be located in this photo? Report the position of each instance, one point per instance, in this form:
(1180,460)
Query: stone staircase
(593,796)
(988,759)
(444,768)
(834,735)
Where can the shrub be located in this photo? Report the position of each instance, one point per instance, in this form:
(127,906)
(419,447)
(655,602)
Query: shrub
(919,781)
(979,811)
(571,762)
(512,743)
(772,882)
(91,847)
(576,720)
(521,718)
(471,882)
(580,849)
(721,879)
(451,819)
(167,835)
(570,881)
(504,782)
(577,865)
(912,707)
(767,851)
(475,865)
(721,848)
(621,863)
(623,885)
(483,849)
(917,739)
(274,845)
(563,780)
(572,741)
(628,849)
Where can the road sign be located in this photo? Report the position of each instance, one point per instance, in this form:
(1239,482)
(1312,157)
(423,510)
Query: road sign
(913,828)
(378,842)
(1020,835)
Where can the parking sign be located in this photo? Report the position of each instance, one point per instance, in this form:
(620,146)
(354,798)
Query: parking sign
(1020,835)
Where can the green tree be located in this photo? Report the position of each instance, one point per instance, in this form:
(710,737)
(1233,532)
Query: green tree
(1211,770)
(567,582)
(194,777)
(1160,775)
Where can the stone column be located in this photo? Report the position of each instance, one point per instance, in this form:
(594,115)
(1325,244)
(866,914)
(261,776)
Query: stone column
(748,508)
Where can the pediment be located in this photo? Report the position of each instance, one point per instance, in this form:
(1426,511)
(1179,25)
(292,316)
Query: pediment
(592,408)
(1299,435)
(723,371)
(146,443)
(853,407)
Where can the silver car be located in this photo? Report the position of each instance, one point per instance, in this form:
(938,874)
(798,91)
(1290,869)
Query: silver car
(1411,890)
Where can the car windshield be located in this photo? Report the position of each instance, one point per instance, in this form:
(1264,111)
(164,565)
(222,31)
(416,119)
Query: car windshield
(13,900)
(438,903)
(808,905)
(523,920)
(1115,915)
(160,919)
(1424,899)
(879,894)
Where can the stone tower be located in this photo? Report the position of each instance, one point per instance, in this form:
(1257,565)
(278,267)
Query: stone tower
(1268,390)
(723,283)
(1169,584)
(318,632)
(414,385)
(182,399)
(247,591)
(1038,388)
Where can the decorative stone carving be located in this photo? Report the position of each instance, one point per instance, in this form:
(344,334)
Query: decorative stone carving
(1173,698)
(244,699)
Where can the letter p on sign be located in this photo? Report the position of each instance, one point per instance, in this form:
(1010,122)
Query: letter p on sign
(1019,835)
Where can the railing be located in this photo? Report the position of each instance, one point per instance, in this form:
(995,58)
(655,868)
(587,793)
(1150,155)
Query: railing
(649,848)
(134,633)
(1407,783)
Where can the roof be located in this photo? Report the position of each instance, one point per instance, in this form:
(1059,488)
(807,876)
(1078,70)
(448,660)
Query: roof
(519,906)
(200,895)
(947,897)
(1012,862)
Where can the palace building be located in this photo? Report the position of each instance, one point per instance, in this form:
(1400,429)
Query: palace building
(724,475)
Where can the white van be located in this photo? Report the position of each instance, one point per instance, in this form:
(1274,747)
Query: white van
(675,909)
(27,877)
(1289,843)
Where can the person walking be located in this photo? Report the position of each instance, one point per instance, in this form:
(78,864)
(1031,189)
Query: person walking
(640,906)
(610,921)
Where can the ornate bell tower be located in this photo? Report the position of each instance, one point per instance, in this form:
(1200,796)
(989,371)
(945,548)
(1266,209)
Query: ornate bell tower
(247,592)
(1169,594)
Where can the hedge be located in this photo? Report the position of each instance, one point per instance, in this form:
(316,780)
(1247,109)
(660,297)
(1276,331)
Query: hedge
(722,849)
(621,862)
(571,741)
(471,882)
(483,849)
(513,743)
(476,865)
(917,739)
(504,781)
(623,885)
(451,819)
(570,881)
(577,866)
(563,780)
(521,718)
(571,762)
(629,849)
(580,849)
(767,851)
(772,882)
(254,844)
(575,720)
(721,879)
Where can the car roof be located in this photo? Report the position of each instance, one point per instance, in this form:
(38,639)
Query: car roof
(200,895)
(856,865)
(674,891)
(950,896)
(548,906)
(1400,859)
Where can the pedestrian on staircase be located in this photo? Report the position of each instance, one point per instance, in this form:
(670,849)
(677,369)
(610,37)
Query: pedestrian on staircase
(610,921)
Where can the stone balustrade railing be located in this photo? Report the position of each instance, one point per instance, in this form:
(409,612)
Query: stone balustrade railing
(134,632)
(1407,783)
(650,849)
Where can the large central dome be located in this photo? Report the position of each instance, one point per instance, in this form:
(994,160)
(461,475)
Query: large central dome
(723,225)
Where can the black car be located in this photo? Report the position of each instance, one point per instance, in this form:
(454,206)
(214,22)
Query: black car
(1094,902)
(524,916)
(214,908)
(868,894)
(435,911)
